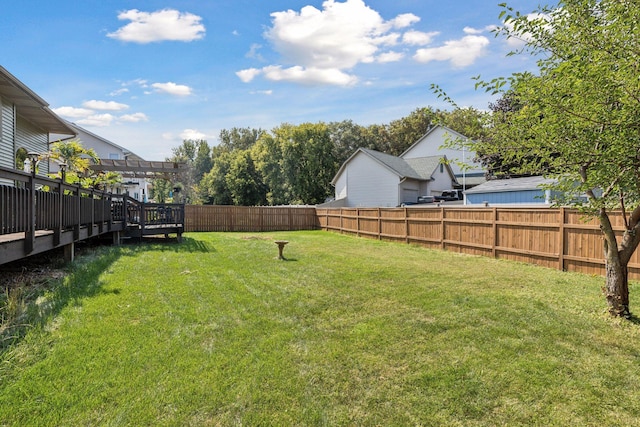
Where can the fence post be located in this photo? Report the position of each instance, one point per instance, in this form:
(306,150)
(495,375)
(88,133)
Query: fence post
(76,226)
(406,226)
(494,245)
(561,248)
(30,234)
(290,218)
(57,232)
(442,227)
(92,204)
(379,224)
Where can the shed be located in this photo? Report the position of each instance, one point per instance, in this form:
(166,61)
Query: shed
(514,191)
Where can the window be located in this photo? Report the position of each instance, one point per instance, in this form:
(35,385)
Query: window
(114,156)
(441,167)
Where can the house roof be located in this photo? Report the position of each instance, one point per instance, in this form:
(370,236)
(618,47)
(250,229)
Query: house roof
(30,106)
(401,167)
(421,168)
(429,132)
(513,184)
(78,129)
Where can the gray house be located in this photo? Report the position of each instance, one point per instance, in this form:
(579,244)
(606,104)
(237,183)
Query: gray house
(25,123)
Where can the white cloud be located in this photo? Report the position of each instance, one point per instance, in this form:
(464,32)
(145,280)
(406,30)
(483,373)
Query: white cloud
(166,24)
(72,112)
(253,52)
(104,105)
(119,91)
(404,20)
(418,38)
(320,46)
(134,118)
(172,89)
(339,36)
(192,134)
(461,53)
(263,92)
(309,76)
(249,74)
(98,120)
(474,31)
(390,57)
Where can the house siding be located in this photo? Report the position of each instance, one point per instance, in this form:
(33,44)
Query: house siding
(370,184)
(7,126)
(508,197)
(32,139)
(441,181)
(341,185)
(410,190)
(431,145)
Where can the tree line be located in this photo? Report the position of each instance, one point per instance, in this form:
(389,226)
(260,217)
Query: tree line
(294,164)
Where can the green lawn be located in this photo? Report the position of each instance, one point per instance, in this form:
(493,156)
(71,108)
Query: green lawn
(347,331)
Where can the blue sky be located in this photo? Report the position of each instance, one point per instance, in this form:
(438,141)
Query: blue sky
(147,74)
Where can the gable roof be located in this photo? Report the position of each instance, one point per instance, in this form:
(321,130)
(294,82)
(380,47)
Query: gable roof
(453,133)
(30,106)
(421,168)
(513,184)
(78,129)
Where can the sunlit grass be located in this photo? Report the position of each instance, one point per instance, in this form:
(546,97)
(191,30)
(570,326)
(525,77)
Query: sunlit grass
(347,331)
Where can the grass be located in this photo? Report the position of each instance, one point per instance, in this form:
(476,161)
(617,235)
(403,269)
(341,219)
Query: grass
(347,331)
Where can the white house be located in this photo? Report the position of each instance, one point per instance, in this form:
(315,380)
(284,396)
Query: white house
(431,144)
(25,123)
(136,187)
(370,178)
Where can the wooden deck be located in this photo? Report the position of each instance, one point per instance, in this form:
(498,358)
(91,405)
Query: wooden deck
(39,214)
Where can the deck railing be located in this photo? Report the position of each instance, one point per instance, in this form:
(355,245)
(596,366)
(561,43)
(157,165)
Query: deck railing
(33,205)
(30,203)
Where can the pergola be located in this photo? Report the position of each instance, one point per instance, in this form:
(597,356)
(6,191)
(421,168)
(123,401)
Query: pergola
(140,168)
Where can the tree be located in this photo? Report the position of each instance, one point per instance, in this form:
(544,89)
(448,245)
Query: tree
(244,181)
(195,153)
(203,161)
(77,159)
(160,190)
(467,121)
(346,138)
(407,130)
(239,138)
(579,117)
(213,188)
(267,155)
(308,163)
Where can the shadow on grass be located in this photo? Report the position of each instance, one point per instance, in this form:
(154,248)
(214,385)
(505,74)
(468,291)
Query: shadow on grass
(161,244)
(28,305)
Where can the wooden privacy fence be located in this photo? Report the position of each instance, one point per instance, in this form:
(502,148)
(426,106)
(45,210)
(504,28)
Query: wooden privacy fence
(552,237)
(252,219)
